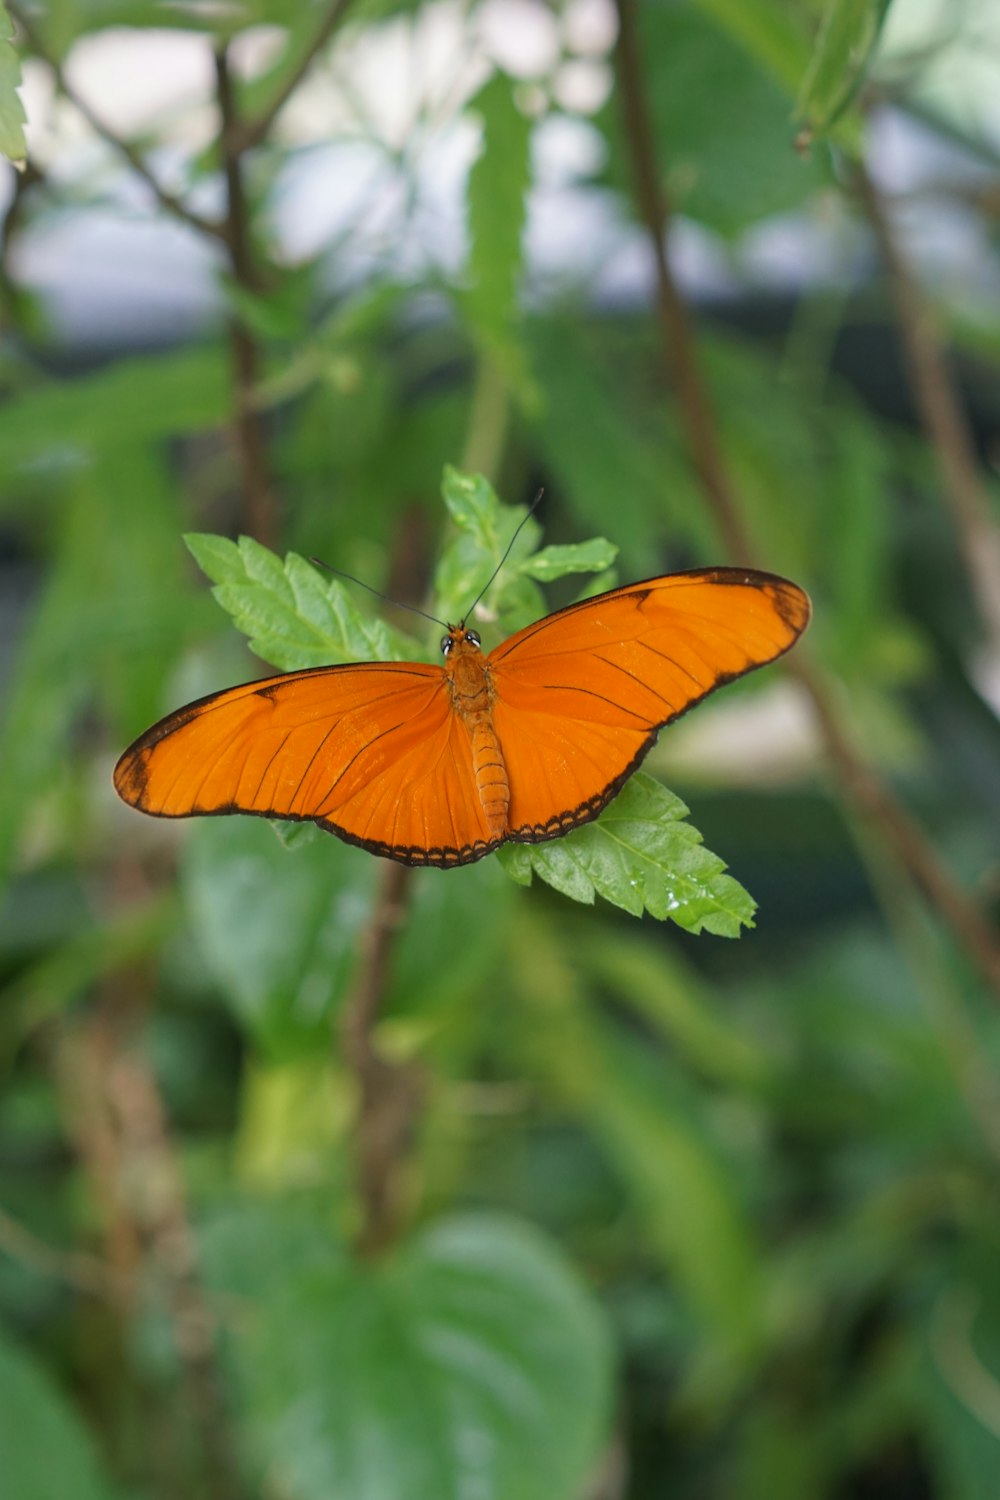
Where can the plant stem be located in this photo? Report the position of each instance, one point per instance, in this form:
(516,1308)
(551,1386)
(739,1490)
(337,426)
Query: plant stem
(248,430)
(252,132)
(167,200)
(940,409)
(389,1092)
(118,1122)
(869,797)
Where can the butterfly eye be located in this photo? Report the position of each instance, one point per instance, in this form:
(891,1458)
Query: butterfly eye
(472,636)
(446,644)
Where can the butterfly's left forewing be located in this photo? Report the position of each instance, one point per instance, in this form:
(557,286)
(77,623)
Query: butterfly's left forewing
(581,694)
(372,752)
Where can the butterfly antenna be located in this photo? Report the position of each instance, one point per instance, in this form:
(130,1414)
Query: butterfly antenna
(523,522)
(378,595)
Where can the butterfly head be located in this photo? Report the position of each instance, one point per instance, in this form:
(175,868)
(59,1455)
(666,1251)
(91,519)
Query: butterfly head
(459,636)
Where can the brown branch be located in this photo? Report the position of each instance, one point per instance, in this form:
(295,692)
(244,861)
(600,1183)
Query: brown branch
(118,1121)
(941,412)
(252,132)
(167,200)
(85,1273)
(869,797)
(248,429)
(389,1092)
(161,1211)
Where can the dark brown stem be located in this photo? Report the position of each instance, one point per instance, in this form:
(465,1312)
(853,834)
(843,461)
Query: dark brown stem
(941,412)
(869,797)
(167,200)
(389,1092)
(117,1119)
(679,347)
(252,132)
(248,430)
(85,1273)
(162,1212)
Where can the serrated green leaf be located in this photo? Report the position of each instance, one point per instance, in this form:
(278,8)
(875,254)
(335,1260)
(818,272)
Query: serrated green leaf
(471,1363)
(846,40)
(45,1449)
(640,855)
(592,556)
(12,115)
(217,556)
(472,504)
(278,930)
(485,531)
(292,616)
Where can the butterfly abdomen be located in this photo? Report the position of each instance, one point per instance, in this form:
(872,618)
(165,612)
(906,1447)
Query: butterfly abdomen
(491,775)
(472,696)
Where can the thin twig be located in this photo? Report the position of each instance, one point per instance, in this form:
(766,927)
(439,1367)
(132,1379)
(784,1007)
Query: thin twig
(167,200)
(941,412)
(248,430)
(252,132)
(870,798)
(85,1273)
(389,1092)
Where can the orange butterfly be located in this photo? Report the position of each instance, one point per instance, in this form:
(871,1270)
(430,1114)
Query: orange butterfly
(439,765)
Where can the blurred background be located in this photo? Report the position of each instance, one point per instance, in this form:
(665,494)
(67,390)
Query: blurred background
(318,1180)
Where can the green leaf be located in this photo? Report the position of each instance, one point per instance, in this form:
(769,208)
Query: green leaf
(686,1191)
(724,124)
(293,616)
(671,998)
(278,929)
(605,441)
(658,1135)
(132,401)
(960,1379)
(485,530)
(99,634)
(12,115)
(429,971)
(45,1450)
(642,856)
(859,486)
(844,46)
(471,1363)
(584,557)
(250,1246)
(70,968)
(497,194)
(767,31)
(472,504)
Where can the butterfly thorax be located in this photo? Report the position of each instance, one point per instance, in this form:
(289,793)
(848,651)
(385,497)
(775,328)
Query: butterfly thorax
(471,688)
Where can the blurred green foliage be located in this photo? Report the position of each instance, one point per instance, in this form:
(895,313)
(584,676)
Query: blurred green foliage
(677,1217)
